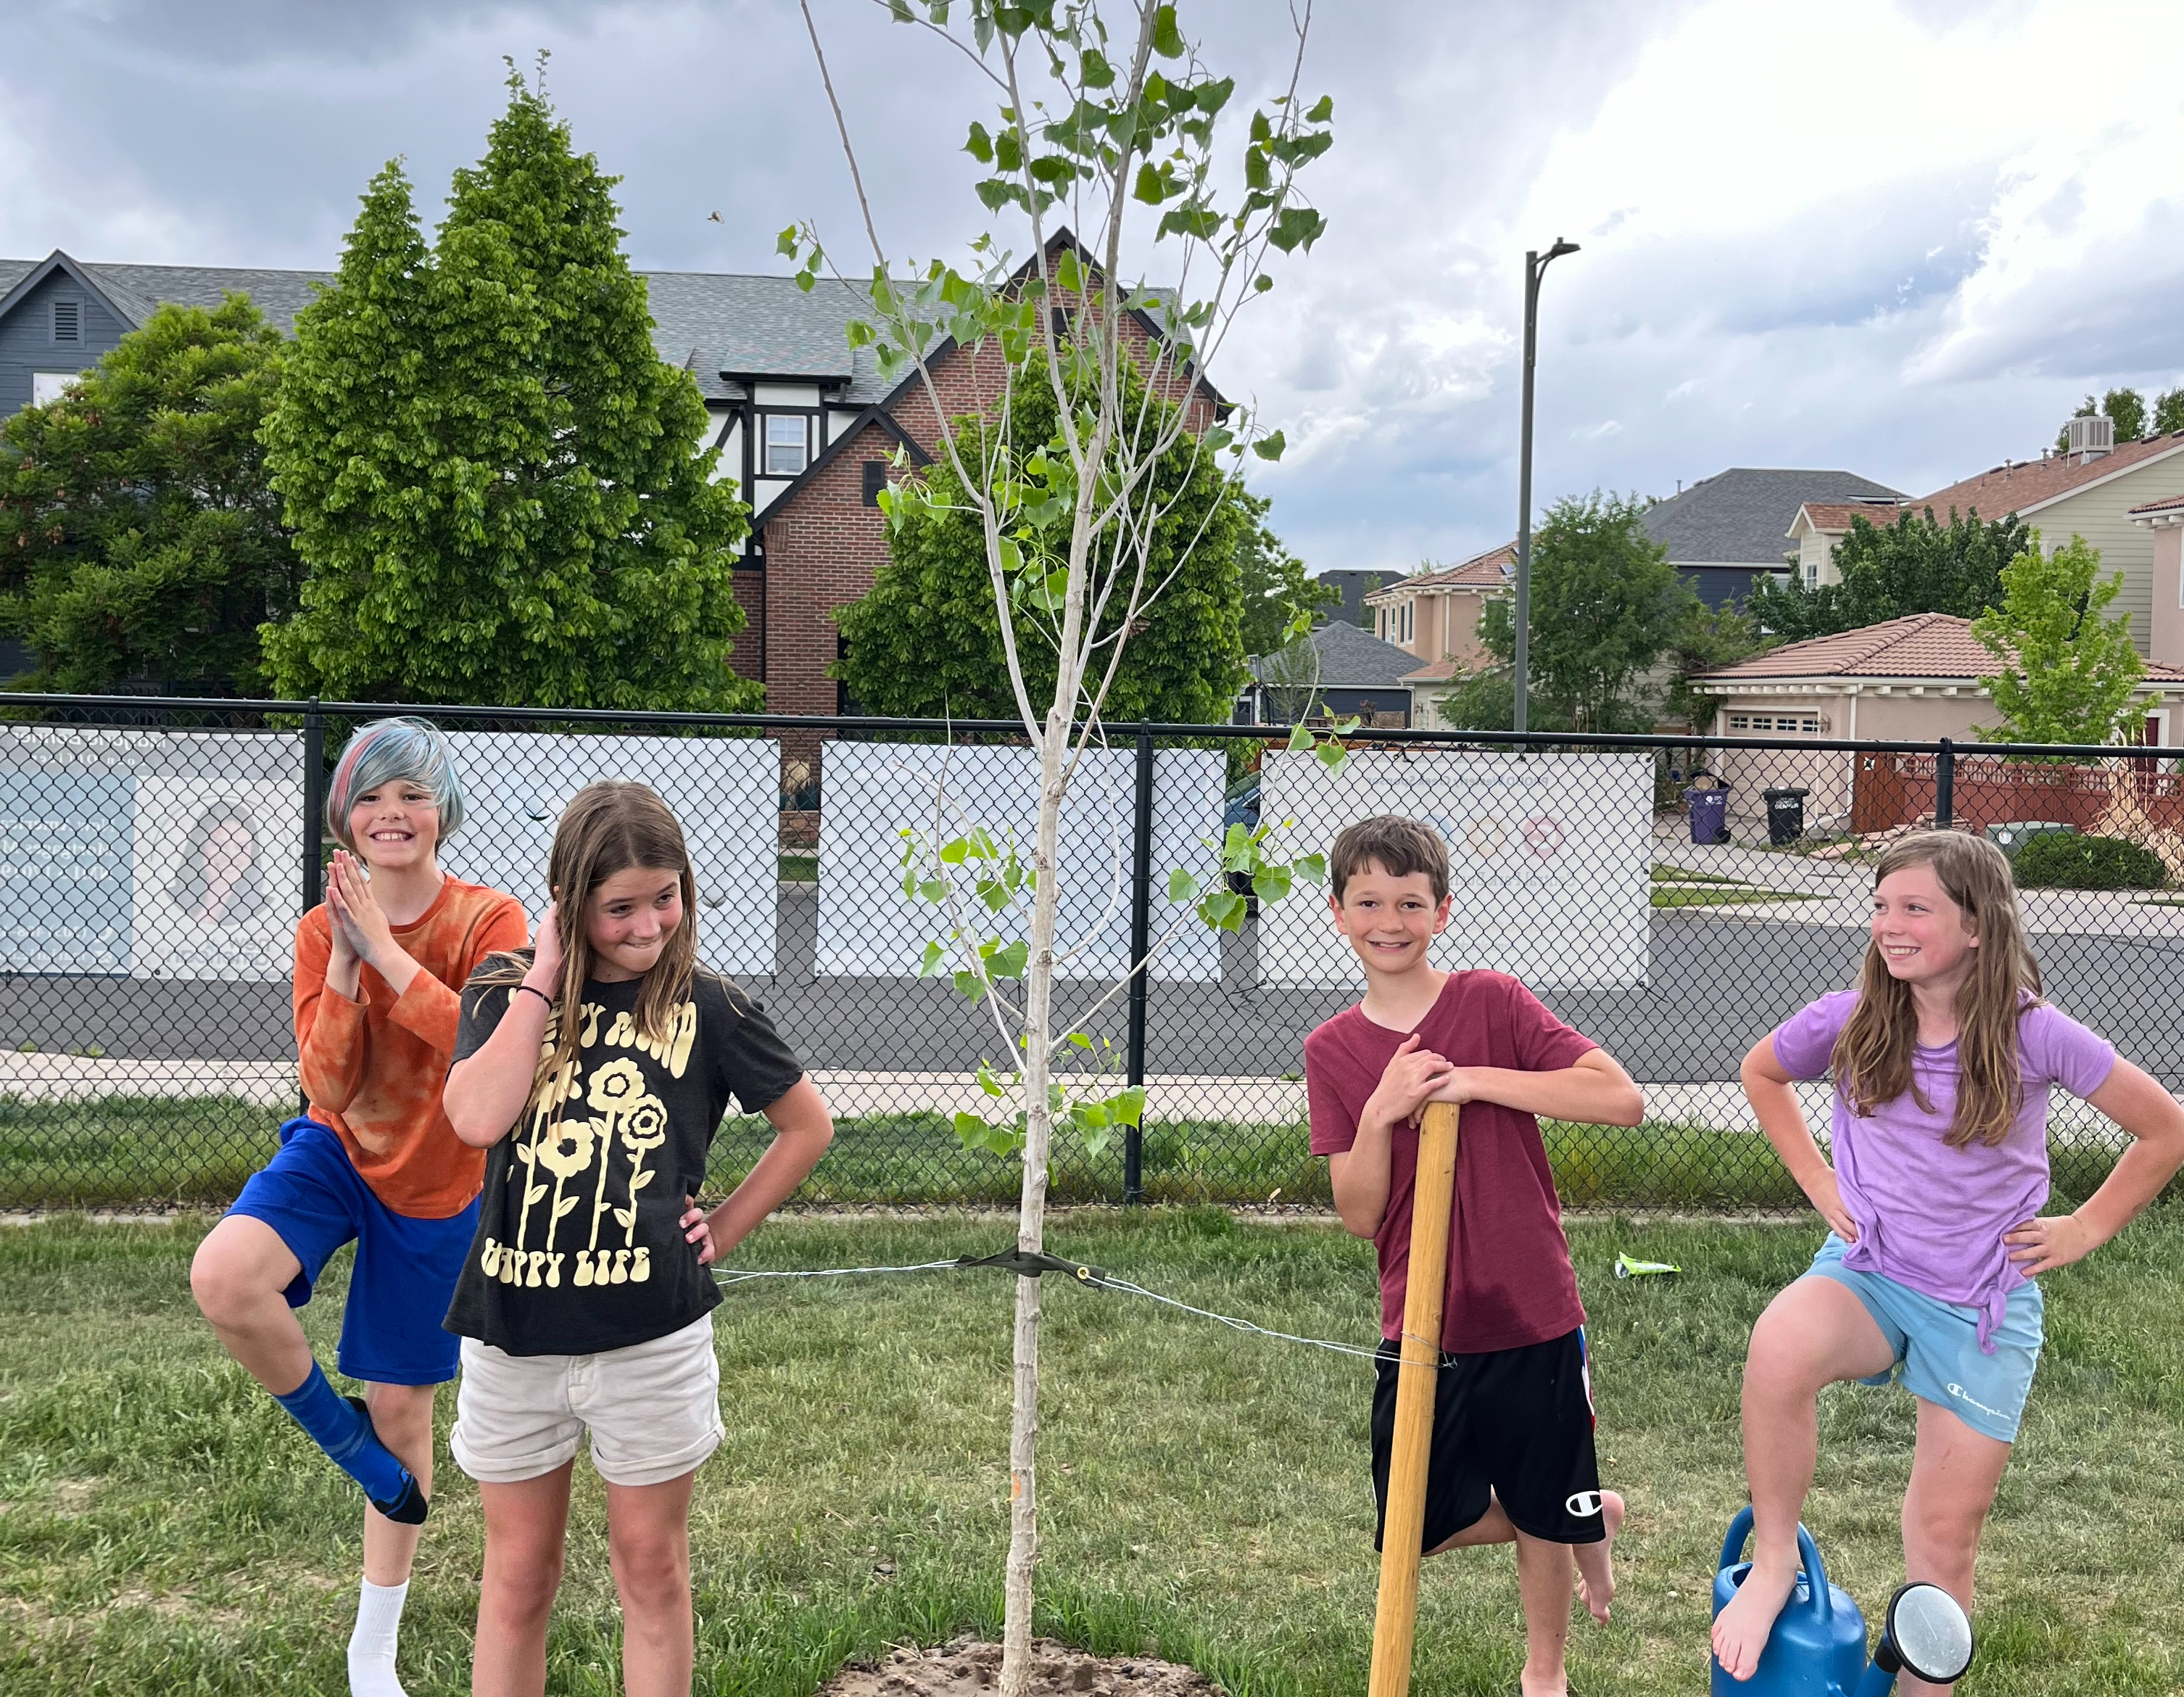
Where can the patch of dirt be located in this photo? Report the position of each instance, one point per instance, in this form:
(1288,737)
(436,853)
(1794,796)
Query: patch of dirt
(969,1669)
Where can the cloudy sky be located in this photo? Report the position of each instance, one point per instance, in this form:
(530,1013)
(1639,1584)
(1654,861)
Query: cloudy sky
(1900,238)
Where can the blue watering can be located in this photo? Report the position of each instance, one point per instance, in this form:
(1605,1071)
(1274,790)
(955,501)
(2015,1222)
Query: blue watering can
(1818,1646)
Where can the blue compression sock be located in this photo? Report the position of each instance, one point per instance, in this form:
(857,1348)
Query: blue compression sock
(340,1427)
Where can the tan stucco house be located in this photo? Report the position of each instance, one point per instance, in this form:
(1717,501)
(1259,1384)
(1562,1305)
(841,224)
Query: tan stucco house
(1435,614)
(1911,679)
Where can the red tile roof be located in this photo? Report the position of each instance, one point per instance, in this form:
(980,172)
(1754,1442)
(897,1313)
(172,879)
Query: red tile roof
(1833,517)
(2010,488)
(1481,571)
(2166,504)
(1918,645)
(1436,672)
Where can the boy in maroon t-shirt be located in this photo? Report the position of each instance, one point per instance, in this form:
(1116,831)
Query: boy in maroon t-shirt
(1512,1452)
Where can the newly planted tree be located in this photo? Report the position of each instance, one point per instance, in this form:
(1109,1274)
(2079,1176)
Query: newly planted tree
(1113,133)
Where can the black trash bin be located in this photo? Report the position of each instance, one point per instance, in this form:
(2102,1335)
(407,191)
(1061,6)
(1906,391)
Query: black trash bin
(1786,816)
(1709,809)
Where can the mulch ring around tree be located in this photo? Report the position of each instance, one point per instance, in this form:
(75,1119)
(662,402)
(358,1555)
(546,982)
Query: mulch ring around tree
(966,1667)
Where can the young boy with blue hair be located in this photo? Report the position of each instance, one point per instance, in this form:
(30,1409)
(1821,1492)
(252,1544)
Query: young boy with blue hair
(378,969)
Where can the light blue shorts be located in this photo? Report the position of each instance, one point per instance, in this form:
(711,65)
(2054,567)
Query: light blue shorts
(1938,1359)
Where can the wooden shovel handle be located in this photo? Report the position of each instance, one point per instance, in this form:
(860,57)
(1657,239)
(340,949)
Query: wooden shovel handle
(1395,1625)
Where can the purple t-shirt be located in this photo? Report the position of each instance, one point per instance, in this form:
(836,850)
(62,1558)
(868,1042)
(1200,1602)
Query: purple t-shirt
(1929,1216)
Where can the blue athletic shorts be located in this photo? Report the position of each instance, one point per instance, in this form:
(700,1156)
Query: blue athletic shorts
(404,1275)
(1938,1359)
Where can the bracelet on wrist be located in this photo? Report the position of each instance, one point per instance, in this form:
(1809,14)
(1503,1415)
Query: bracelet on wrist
(539,993)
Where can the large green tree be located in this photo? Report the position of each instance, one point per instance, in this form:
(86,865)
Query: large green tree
(1913,564)
(1277,589)
(925,641)
(138,537)
(2070,668)
(1606,604)
(500,489)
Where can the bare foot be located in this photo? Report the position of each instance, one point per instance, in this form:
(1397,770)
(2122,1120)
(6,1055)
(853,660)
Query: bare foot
(1740,1630)
(1596,1571)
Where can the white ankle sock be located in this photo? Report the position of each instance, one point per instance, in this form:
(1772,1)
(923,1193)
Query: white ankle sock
(371,1645)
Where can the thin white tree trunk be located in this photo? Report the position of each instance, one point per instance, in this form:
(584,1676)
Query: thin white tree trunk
(1031,1215)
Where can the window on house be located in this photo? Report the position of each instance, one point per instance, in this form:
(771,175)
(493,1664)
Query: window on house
(1410,620)
(875,481)
(1812,574)
(787,443)
(1773,724)
(1059,316)
(67,320)
(46,387)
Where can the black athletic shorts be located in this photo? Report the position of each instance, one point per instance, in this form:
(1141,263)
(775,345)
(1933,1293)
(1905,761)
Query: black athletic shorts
(1514,1422)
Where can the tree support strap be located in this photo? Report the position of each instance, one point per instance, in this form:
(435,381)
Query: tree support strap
(1026,1266)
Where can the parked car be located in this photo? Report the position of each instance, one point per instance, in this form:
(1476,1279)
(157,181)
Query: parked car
(1241,806)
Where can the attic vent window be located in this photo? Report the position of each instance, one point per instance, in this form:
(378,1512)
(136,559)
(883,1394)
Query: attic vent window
(876,479)
(67,320)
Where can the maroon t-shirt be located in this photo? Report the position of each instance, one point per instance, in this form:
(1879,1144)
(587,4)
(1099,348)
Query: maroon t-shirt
(1510,1282)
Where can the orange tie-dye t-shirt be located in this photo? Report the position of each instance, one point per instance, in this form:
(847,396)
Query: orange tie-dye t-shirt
(374,1068)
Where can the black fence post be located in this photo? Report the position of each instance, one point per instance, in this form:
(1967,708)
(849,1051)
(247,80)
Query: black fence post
(314,813)
(1945,787)
(1141,898)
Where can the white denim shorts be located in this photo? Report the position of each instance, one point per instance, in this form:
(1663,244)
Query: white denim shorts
(652,1409)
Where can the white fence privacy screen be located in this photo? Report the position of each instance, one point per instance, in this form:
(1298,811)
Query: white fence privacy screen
(177,855)
(727,792)
(1549,859)
(875,790)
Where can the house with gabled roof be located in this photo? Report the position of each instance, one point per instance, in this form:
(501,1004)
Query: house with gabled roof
(1917,679)
(2091,491)
(803,424)
(1727,533)
(1434,614)
(1340,671)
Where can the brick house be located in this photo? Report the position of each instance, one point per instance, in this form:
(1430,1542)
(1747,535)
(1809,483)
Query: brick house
(802,424)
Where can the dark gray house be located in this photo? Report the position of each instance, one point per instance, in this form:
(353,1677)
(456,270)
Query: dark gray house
(1726,531)
(1341,670)
(1354,585)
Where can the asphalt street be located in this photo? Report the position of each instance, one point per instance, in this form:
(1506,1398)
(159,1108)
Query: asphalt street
(1716,983)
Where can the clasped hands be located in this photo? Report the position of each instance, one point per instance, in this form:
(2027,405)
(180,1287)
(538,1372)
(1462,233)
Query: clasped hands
(361,927)
(1415,1077)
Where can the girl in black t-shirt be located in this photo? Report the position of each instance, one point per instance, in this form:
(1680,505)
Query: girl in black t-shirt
(596,1067)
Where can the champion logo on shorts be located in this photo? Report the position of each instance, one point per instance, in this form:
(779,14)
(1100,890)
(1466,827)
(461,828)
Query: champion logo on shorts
(1583,1503)
(1964,1396)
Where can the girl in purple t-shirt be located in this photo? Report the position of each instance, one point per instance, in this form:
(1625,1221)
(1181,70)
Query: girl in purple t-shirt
(1943,1057)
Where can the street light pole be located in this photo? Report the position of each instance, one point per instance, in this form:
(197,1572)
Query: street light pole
(1535,264)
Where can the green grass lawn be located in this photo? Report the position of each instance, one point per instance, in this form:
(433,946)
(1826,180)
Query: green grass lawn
(1683,874)
(1710,895)
(164,1528)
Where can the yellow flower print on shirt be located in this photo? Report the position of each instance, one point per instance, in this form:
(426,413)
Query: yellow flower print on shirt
(617,1091)
(617,1087)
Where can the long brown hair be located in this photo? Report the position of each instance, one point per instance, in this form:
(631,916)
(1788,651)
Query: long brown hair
(1872,1057)
(609,827)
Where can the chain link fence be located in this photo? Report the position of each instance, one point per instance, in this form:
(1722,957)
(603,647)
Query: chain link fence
(1672,898)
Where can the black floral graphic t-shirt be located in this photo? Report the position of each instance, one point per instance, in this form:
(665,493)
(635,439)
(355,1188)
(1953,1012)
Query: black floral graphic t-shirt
(578,1247)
